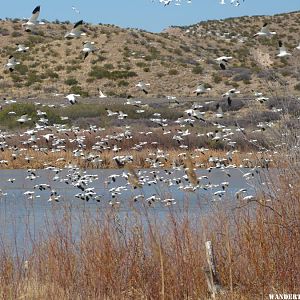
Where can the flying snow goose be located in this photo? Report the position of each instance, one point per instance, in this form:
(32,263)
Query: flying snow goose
(72,98)
(88,47)
(142,86)
(219,113)
(11,63)
(75,9)
(23,119)
(32,22)
(76,31)
(201,89)
(282,50)
(231,92)
(101,95)
(110,113)
(265,31)
(221,58)
(223,61)
(21,48)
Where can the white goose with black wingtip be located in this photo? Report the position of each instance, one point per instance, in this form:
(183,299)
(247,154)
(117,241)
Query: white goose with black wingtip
(12,62)
(72,98)
(76,31)
(223,61)
(143,86)
(264,31)
(88,47)
(101,94)
(33,22)
(201,89)
(21,48)
(282,50)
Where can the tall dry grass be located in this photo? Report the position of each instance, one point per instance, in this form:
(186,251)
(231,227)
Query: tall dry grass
(106,255)
(40,160)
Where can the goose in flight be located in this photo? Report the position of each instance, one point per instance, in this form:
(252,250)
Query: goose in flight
(76,31)
(201,89)
(223,61)
(282,50)
(72,98)
(229,94)
(219,113)
(142,86)
(23,119)
(11,63)
(88,47)
(21,48)
(265,31)
(75,9)
(32,22)
(101,95)
(165,2)
(298,47)
(221,58)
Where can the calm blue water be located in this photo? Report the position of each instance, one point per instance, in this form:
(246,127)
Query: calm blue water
(23,216)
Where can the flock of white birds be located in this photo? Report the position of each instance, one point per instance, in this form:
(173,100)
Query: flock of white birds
(47,138)
(179,2)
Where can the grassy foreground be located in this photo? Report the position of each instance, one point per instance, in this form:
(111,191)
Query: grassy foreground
(144,257)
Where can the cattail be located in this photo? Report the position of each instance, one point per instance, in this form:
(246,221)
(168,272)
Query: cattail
(189,171)
(133,178)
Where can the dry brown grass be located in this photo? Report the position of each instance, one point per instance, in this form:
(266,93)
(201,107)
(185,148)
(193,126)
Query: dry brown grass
(146,257)
(41,159)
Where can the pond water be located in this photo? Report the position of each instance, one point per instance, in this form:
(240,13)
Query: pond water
(25,208)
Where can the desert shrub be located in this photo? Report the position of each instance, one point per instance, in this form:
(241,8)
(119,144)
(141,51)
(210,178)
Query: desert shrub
(100,73)
(16,34)
(141,64)
(177,51)
(59,68)
(160,74)
(197,70)
(123,83)
(297,87)
(32,78)
(76,89)
(108,66)
(21,69)
(216,78)
(71,68)
(173,72)
(4,32)
(71,81)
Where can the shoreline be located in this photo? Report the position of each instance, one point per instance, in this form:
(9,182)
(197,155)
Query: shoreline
(139,159)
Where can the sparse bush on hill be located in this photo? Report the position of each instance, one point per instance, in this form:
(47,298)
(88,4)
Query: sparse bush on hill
(32,78)
(297,87)
(216,78)
(197,70)
(173,72)
(71,81)
(76,89)
(16,34)
(123,83)
(100,72)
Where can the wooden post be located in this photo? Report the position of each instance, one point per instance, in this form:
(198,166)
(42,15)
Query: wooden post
(213,281)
